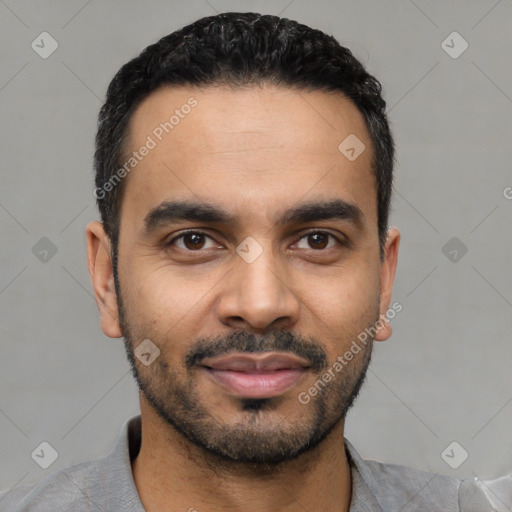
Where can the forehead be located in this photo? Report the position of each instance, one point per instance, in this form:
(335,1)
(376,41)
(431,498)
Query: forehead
(266,145)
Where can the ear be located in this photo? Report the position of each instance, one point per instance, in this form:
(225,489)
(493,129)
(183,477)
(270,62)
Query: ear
(102,277)
(387,278)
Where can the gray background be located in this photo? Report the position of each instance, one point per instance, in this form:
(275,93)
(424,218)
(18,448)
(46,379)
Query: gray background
(445,374)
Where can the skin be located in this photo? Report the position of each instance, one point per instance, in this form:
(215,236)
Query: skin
(256,152)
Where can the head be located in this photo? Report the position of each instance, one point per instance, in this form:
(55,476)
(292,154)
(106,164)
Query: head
(243,176)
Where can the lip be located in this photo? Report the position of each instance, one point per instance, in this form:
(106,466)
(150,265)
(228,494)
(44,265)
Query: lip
(267,361)
(256,375)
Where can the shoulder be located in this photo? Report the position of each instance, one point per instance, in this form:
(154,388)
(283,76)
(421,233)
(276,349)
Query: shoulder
(498,492)
(70,487)
(409,489)
(104,484)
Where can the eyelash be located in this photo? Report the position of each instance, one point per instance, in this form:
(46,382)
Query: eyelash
(342,243)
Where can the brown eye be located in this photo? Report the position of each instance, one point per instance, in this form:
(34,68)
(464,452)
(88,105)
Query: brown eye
(191,241)
(318,240)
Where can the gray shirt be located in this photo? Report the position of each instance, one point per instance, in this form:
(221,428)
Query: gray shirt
(498,492)
(107,485)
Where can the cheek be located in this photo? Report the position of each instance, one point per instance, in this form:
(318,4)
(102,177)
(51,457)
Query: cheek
(339,310)
(350,294)
(164,304)
(149,287)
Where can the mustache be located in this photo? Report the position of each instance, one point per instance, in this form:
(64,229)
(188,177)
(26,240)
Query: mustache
(282,341)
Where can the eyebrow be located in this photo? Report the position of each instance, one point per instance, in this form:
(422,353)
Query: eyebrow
(170,212)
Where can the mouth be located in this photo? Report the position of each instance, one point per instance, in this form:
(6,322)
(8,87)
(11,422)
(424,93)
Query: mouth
(256,375)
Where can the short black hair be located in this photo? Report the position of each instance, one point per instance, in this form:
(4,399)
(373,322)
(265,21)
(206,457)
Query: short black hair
(238,49)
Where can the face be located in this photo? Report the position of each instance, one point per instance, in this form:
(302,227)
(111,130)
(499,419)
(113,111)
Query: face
(248,260)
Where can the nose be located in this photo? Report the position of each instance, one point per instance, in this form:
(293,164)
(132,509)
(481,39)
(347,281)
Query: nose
(258,295)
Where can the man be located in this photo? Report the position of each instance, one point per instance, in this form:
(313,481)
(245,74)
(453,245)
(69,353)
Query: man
(243,176)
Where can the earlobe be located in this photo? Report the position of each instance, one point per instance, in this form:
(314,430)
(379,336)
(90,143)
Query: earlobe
(102,277)
(387,278)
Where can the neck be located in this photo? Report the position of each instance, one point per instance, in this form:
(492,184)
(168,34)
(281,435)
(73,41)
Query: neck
(171,473)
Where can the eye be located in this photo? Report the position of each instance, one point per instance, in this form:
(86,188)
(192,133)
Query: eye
(319,240)
(191,241)
(194,241)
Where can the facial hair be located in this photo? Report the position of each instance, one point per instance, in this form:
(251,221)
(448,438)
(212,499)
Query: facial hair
(260,436)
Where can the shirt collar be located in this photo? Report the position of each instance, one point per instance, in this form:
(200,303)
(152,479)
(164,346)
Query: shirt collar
(123,492)
(115,469)
(363,499)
